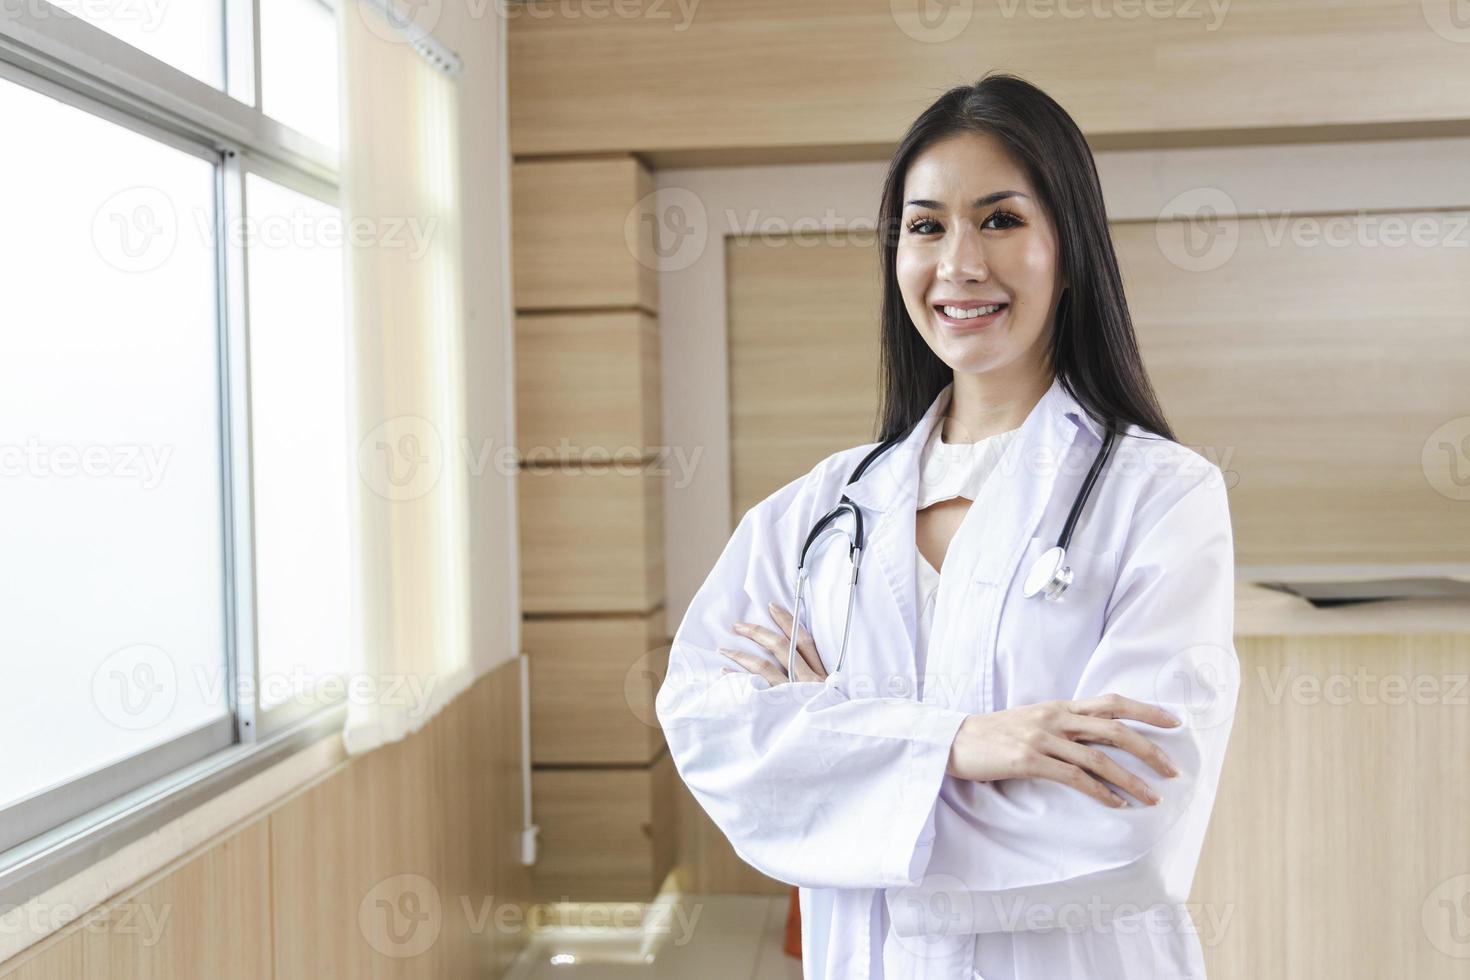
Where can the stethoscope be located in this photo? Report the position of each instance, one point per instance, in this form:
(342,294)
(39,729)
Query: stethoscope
(1049,576)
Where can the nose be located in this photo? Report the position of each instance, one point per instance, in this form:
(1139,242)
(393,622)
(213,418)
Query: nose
(962,259)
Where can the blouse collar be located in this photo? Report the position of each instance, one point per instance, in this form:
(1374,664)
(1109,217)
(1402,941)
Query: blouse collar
(949,470)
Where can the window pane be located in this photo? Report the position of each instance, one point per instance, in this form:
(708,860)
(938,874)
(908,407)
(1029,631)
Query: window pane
(188,35)
(299,431)
(298,66)
(111,542)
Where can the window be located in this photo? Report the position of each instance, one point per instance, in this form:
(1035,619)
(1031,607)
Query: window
(110,446)
(298,47)
(298,417)
(175,557)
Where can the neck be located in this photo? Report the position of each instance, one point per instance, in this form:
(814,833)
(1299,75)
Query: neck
(983,405)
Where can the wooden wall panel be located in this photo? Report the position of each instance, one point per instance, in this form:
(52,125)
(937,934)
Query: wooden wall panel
(587,386)
(208,917)
(582,234)
(1314,374)
(1188,75)
(593,682)
(61,962)
(434,820)
(218,924)
(321,880)
(591,540)
(607,834)
(803,340)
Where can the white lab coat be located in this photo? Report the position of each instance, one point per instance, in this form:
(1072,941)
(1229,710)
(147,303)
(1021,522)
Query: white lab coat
(840,787)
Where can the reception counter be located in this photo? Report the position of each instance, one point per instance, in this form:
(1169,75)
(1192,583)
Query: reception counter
(1340,842)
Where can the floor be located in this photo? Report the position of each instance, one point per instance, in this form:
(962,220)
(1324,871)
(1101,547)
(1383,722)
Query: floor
(714,937)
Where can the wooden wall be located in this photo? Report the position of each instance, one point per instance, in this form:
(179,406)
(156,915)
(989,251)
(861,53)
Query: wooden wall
(1312,374)
(740,81)
(367,873)
(592,528)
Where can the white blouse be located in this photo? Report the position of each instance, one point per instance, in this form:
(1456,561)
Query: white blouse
(947,470)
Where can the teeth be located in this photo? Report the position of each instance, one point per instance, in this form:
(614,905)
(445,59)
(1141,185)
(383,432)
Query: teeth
(955,313)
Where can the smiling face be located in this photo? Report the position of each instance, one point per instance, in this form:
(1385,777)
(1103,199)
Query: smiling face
(978,238)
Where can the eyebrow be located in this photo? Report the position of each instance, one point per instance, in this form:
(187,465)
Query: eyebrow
(979,202)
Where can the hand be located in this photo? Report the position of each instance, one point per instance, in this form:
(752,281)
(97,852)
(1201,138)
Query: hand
(1047,741)
(808,665)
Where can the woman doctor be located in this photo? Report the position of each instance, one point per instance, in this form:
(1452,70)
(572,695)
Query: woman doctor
(1025,796)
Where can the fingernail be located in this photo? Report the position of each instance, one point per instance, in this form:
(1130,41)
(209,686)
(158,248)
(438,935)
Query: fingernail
(741,628)
(775,609)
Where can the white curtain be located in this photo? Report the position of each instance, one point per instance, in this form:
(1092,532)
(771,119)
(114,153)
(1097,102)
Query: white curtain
(401,205)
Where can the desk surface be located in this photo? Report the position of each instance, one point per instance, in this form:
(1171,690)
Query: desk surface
(1266,612)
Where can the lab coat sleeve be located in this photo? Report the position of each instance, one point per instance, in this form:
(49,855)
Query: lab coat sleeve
(1031,854)
(811,786)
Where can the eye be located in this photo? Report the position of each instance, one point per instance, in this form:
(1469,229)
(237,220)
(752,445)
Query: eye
(915,226)
(1008,220)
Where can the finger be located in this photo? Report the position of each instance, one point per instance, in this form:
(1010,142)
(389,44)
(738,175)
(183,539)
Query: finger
(778,645)
(1083,728)
(1069,775)
(1098,763)
(757,665)
(1118,706)
(805,645)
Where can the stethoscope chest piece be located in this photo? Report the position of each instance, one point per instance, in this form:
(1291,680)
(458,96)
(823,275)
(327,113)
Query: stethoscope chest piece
(1049,576)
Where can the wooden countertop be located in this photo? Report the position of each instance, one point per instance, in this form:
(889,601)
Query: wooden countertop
(1260,611)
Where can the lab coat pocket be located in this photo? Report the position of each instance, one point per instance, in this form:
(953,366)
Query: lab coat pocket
(1044,644)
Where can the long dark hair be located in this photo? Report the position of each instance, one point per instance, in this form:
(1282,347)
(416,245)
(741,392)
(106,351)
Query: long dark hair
(1093,351)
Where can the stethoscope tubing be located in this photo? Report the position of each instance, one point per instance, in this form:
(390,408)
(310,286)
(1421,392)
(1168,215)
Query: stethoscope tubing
(856,541)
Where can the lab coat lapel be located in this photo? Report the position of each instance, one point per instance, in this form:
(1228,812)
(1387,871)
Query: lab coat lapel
(989,542)
(993,536)
(888,492)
